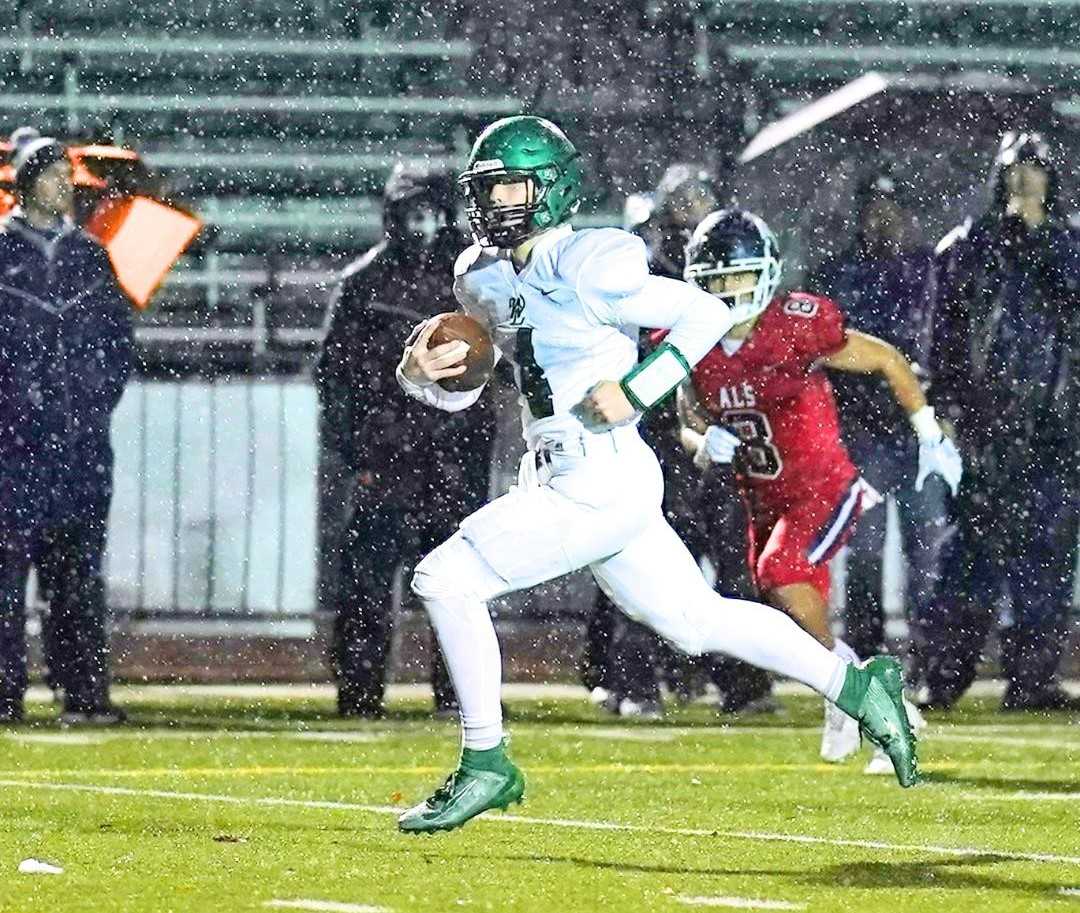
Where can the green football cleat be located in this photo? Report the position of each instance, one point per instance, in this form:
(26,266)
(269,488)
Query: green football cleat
(873,693)
(483,780)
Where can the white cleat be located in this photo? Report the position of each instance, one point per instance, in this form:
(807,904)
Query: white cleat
(880,764)
(914,717)
(839,736)
(644,710)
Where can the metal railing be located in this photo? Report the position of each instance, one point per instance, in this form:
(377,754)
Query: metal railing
(867,55)
(152,45)
(278,160)
(74,101)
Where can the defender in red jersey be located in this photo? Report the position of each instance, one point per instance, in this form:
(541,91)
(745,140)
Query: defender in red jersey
(803,491)
(761,402)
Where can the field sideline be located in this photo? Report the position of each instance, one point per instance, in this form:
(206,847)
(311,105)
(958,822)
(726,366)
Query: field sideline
(223,799)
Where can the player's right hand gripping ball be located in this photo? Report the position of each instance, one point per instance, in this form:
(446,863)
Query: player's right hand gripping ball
(479,360)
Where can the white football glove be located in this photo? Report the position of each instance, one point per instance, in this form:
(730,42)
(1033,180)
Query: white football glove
(720,444)
(943,458)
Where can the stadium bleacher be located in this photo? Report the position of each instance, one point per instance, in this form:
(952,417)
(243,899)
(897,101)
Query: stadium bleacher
(282,146)
(279,121)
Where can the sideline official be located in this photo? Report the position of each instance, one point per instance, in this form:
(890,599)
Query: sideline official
(65,356)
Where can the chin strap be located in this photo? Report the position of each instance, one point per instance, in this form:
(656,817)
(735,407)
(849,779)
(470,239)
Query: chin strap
(655,377)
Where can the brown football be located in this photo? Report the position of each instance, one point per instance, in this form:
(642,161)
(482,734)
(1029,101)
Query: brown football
(480,361)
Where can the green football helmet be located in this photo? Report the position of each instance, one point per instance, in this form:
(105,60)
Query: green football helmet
(520,149)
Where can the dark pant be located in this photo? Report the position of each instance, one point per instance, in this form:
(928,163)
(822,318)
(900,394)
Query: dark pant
(68,556)
(380,538)
(724,512)
(924,531)
(620,654)
(623,656)
(1014,556)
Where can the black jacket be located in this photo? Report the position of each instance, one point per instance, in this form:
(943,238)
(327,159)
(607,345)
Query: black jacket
(1005,354)
(418,455)
(891,298)
(65,356)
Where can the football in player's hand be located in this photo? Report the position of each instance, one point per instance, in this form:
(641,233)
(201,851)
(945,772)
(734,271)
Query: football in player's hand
(480,360)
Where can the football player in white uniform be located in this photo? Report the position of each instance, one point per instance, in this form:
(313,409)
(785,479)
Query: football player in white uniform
(565,307)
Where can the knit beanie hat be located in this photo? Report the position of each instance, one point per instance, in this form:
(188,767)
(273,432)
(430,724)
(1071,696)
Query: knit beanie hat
(33,154)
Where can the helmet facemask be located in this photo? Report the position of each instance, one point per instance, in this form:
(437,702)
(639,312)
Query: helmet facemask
(744,305)
(496,224)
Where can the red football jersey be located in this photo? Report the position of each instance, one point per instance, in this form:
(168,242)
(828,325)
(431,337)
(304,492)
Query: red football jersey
(773,393)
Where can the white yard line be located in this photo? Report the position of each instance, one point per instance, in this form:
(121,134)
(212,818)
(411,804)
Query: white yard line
(1021,796)
(57,738)
(1068,749)
(132,733)
(739,903)
(1069,892)
(932,734)
(336,735)
(511,691)
(721,729)
(909,847)
(304,691)
(328,906)
(570,823)
(943,726)
(1069,745)
(623,734)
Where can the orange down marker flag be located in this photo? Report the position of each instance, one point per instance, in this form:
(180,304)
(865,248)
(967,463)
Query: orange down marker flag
(144,238)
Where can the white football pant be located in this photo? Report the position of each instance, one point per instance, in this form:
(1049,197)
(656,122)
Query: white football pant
(598,509)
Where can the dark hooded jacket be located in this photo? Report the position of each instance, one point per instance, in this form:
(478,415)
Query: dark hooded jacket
(65,355)
(684,485)
(1005,354)
(420,457)
(891,298)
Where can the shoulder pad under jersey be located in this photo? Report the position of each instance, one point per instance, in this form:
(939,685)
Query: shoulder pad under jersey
(474,257)
(471,275)
(603,263)
(815,322)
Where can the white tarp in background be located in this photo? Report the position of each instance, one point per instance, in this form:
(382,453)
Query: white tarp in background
(222,477)
(214,475)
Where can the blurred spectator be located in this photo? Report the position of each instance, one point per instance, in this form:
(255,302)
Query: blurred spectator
(65,355)
(1005,360)
(885,284)
(397,476)
(707,512)
(622,657)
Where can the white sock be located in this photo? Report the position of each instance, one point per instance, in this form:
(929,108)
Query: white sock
(454,583)
(845,652)
(836,682)
(849,657)
(471,651)
(769,639)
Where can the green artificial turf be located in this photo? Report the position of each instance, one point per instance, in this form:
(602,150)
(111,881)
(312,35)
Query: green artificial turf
(217,808)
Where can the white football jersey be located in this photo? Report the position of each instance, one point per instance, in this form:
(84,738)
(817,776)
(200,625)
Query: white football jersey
(556,320)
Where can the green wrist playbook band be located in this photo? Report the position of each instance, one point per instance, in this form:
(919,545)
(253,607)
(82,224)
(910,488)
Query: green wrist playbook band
(655,377)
